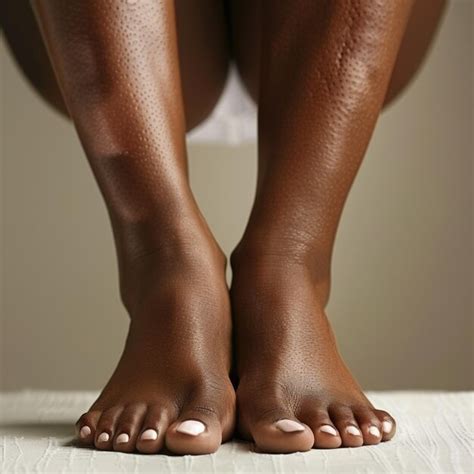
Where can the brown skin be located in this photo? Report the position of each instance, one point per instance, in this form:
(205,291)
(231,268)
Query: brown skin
(317,110)
(203,50)
(317,106)
(117,65)
(326,70)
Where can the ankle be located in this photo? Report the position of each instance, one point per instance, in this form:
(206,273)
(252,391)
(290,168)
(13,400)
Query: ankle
(150,256)
(256,260)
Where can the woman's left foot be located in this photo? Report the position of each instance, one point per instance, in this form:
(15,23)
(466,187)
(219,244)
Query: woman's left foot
(295,392)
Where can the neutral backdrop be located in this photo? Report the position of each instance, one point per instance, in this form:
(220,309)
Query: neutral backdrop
(401,303)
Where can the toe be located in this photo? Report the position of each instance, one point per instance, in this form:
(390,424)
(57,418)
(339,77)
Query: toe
(345,422)
(128,427)
(152,434)
(389,427)
(278,430)
(204,422)
(196,431)
(325,432)
(370,425)
(86,427)
(106,428)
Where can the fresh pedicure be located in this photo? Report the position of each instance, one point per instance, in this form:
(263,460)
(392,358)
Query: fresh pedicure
(387,427)
(328,429)
(149,435)
(85,432)
(191,427)
(374,431)
(103,437)
(122,438)
(352,430)
(289,426)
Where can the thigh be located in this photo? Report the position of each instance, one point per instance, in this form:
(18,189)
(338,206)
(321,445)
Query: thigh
(203,51)
(247,15)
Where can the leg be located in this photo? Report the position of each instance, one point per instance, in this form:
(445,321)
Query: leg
(324,73)
(203,53)
(424,21)
(117,66)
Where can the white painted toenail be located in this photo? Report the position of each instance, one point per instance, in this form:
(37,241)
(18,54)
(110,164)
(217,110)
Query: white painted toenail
(191,427)
(374,431)
(328,429)
(149,435)
(387,426)
(123,438)
(103,437)
(85,432)
(352,430)
(289,426)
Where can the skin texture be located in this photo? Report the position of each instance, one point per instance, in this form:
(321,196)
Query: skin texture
(317,110)
(203,52)
(320,73)
(117,65)
(317,107)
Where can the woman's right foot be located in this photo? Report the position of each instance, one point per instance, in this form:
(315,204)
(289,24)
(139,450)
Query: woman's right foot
(171,387)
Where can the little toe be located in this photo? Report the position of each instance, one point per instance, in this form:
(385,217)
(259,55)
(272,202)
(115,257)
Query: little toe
(326,435)
(370,426)
(345,422)
(128,427)
(86,427)
(389,426)
(151,437)
(106,428)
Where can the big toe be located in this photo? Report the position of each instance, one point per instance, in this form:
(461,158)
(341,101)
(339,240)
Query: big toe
(276,430)
(194,432)
(201,428)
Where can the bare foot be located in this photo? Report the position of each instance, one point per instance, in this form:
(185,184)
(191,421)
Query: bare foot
(171,386)
(295,392)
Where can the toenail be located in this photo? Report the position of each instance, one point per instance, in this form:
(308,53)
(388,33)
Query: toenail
(374,431)
(328,429)
(103,437)
(123,438)
(352,430)
(85,432)
(387,426)
(149,435)
(191,427)
(289,426)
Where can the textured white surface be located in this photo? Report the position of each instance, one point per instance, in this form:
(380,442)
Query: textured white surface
(435,435)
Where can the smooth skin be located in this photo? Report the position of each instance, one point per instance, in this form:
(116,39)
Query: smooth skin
(133,82)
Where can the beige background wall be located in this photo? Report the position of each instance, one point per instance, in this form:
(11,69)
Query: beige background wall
(401,302)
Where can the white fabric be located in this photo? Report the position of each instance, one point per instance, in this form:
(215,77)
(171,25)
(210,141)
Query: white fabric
(435,434)
(233,121)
